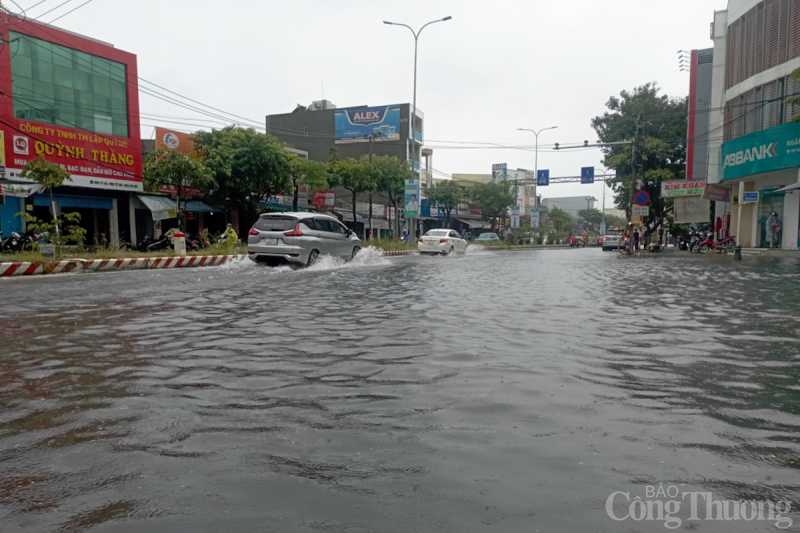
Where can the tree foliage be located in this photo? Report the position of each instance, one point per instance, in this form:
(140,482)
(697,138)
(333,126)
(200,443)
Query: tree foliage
(306,172)
(248,166)
(494,199)
(446,195)
(355,175)
(562,220)
(45,173)
(390,178)
(178,170)
(662,156)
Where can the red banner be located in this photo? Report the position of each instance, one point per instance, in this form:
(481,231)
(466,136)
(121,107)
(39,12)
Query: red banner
(325,198)
(93,160)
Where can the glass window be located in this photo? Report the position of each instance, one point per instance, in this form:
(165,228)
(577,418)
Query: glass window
(338,228)
(53,84)
(276,223)
(310,223)
(325,224)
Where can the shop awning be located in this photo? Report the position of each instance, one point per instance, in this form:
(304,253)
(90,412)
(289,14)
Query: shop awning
(790,187)
(162,203)
(86,202)
(156,203)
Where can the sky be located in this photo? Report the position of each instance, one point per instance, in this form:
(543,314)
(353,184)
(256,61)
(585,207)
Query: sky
(495,67)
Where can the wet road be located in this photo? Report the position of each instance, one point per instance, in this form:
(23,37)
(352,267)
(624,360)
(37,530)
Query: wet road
(492,392)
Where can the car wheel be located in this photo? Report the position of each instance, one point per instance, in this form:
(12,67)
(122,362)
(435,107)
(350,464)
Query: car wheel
(312,257)
(356,249)
(450,252)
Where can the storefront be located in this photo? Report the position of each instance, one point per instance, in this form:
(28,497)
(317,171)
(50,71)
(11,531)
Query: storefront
(154,215)
(762,170)
(74,101)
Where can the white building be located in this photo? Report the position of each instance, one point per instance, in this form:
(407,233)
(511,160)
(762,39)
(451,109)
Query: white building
(570,204)
(753,145)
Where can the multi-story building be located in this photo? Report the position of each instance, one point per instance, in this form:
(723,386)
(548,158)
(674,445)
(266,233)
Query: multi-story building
(353,131)
(754,147)
(75,101)
(570,204)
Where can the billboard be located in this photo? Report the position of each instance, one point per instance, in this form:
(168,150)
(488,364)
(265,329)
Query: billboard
(692,209)
(673,188)
(93,160)
(324,198)
(534,217)
(412,199)
(354,123)
(175,140)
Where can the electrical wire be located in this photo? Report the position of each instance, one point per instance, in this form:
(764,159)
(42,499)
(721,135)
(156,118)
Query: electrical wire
(46,12)
(68,12)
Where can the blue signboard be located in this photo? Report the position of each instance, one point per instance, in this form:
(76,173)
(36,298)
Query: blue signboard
(642,198)
(587,175)
(354,123)
(750,197)
(543,178)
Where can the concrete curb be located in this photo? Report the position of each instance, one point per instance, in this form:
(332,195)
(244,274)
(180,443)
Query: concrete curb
(109,265)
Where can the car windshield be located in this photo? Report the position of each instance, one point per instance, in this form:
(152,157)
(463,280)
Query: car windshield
(437,233)
(276,223)
(489,236)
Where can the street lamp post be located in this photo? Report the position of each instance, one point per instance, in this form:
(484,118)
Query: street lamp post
(536,164)
(414,111)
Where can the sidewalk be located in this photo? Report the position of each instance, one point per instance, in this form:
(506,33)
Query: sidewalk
(107,265)
(771,252)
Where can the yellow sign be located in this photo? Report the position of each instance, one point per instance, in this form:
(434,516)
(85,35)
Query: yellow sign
(2,151)
(173,213)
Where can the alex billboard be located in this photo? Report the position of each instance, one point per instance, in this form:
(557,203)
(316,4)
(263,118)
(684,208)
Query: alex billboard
(352,124)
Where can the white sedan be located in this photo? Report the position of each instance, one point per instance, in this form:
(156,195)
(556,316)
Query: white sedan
(442,241)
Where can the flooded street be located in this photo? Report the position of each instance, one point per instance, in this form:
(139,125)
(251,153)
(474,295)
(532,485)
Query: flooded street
(490,392)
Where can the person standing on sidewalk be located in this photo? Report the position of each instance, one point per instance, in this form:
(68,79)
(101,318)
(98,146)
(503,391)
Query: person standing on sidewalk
(636,240)
(230,237)
(773,228)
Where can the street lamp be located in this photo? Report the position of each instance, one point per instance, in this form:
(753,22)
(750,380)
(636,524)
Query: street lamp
(536,164)
(414,115)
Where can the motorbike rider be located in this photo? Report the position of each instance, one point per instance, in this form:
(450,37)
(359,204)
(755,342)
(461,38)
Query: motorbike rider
(231,237)
(773,228)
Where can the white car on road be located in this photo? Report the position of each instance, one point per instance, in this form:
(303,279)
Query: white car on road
(442,241)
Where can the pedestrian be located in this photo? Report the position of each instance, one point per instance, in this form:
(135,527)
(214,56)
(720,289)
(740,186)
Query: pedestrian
(636,240)
(404,237)
(773,228)
(230,237)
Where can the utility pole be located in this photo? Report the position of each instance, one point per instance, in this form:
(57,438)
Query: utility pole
(371,138)
(634,175)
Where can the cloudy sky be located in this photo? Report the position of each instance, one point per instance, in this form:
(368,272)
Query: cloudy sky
(495,67)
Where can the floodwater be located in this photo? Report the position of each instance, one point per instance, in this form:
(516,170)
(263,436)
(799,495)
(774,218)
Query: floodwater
(491,392)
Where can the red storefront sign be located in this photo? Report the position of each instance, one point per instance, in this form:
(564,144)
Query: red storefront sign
(475,210)
(97,161)
(325,198)
(185,191)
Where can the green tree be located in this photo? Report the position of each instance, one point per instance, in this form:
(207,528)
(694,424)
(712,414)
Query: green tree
(494,199)
(662,155)
(248,167)
(392,173)
(592,216)
(178,170)
(306,172)
(48,174)
(562,220)
(613,221)
(446,195)
(357,176)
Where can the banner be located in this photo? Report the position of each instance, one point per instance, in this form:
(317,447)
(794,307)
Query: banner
(515,217)
(175,140)
(302,195)
(20,190)
(412,199)
(673,188)
(716,193)
(692,209)
(324,198)
(353,124)
(93,160)
(534,217)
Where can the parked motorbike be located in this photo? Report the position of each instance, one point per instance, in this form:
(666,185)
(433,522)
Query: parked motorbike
(149,244)
(727,244)
(194,244)
(14,243)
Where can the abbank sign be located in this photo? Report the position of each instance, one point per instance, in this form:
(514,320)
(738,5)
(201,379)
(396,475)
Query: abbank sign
(764,151)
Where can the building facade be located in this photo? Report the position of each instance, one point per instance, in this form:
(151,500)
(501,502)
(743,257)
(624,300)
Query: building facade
(571,204)
(752,141)
(319,128)
(74,101)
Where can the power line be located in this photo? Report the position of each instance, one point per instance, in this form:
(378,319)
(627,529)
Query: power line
(46,12)
(68,12)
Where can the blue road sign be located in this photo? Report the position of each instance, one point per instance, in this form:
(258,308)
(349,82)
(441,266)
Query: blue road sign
(543,178)
(642,198)
(587,175)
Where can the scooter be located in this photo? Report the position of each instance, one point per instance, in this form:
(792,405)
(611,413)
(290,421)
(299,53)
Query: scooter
(728,244)
(14,243)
